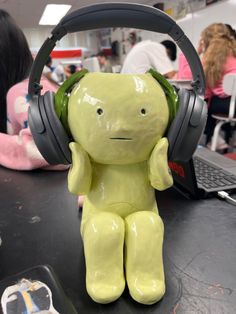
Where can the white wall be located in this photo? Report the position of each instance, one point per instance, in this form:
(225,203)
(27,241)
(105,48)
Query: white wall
(194,23)
(86,39)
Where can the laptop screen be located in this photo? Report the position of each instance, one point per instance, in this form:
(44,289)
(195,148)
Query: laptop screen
(185,179)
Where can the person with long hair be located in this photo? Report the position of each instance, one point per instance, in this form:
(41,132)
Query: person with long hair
(15,61)
(218,58)
(217,50)
(17,148)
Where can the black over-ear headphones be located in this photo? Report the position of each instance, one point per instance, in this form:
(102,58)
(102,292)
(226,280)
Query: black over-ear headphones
(45,121)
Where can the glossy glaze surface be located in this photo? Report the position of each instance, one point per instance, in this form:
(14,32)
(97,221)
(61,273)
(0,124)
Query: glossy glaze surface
(119,156)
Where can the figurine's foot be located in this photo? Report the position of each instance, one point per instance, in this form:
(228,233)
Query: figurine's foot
(146,291)
(144,264)
(103,245)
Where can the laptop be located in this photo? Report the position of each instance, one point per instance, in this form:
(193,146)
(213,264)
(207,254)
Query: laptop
(205,174)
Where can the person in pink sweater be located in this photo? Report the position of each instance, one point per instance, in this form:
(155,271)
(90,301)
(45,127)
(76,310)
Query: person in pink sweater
(17,148)
(217,49)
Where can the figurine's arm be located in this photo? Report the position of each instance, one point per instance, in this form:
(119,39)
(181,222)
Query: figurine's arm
(80,173)
(159,172)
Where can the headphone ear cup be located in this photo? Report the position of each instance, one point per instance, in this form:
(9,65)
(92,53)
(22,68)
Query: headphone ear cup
(187,127)
(47,130)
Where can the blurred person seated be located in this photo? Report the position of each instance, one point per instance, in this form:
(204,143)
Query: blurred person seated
(219,58)
(184,71)
(105,65)
(145,55)
(91,64)
(70,69)
(60,73)
(217,50)
(171,49)
(48,72)
(17,148)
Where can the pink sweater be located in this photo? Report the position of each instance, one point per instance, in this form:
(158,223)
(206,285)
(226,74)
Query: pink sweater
(17,148)
(185,73)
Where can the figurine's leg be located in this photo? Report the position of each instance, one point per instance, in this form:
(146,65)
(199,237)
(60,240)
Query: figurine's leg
(103,237)
(144,264)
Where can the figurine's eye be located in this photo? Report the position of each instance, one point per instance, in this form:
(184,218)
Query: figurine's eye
(99,111)
(143,111)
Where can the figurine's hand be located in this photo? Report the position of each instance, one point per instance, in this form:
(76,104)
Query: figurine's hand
(159,172)
(80,173)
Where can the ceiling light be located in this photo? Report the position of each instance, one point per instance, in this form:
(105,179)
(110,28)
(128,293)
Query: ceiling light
(53,13)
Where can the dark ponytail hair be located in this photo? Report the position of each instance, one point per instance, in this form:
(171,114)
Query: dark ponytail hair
(15,60)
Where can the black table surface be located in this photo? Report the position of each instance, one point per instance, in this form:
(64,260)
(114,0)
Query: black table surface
(40,225)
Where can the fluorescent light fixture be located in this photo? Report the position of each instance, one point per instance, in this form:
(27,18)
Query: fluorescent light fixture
(53,13)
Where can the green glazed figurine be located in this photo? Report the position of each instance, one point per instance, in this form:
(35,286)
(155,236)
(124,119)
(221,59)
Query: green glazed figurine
(119,156)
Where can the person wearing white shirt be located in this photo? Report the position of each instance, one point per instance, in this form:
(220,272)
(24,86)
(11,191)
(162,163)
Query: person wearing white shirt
(145,55)
(48,72)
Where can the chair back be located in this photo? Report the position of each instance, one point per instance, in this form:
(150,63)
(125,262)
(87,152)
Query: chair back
(229,87)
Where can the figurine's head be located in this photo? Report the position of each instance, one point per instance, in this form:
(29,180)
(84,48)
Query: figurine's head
(117,118)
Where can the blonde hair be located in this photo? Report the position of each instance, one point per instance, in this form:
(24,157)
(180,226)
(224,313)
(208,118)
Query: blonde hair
(219,45)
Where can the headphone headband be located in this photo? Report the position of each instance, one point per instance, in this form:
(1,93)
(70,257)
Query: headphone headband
(118,15)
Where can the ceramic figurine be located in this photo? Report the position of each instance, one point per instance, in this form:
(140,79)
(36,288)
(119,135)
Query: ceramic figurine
(119,156)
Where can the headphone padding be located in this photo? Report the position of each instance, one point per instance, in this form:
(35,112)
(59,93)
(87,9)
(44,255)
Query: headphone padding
(51,138)
(187,127)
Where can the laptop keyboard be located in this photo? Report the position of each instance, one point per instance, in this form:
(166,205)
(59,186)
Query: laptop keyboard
(212,177)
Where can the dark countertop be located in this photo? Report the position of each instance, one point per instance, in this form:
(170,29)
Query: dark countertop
(40,224)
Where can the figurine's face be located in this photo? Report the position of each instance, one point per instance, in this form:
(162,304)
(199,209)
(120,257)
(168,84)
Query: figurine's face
(117,118)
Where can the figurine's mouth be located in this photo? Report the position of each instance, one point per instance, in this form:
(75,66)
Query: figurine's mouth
(121,138)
